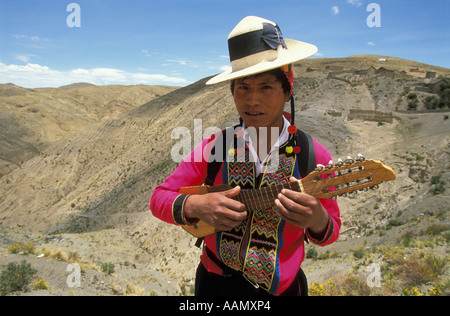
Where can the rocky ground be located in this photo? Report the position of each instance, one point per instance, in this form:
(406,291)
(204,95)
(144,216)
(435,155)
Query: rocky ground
(56,257)
(171,272)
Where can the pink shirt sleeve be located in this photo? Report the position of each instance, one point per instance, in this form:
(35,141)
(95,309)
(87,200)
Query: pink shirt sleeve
(166,202)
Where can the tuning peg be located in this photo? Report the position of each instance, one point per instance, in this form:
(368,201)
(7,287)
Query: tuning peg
(340,162)
(330,165)
(349,160)
(361,158)
(320,167)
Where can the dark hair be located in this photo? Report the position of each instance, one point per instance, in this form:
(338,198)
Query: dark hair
(278,73)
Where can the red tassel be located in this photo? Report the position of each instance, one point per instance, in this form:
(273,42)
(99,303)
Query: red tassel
(292,129)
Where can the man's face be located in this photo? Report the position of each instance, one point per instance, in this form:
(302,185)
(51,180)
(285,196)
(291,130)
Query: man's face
(260,101)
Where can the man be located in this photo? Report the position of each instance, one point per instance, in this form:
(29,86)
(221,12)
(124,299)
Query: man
(253,252)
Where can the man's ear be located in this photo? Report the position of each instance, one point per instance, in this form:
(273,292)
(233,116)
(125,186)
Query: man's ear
(287,97)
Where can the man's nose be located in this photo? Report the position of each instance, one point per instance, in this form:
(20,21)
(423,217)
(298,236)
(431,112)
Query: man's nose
(253,98)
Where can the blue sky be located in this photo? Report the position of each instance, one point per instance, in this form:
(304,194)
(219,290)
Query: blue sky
(177,42)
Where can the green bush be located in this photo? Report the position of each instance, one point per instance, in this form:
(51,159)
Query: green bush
(359,253)
(439,189)
(431,102)
(393,223)
(107,268)
(435,179)
(16,277)
(436,229)
(412,105)
(412,96)
(311,253)
(438,265)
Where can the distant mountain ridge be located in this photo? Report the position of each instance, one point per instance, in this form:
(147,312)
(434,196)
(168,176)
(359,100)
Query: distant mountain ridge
(32,119)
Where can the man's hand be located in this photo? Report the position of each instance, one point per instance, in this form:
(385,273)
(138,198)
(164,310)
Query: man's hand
(217,209)
(302,210)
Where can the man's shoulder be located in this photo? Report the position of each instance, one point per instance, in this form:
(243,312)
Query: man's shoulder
(323,154)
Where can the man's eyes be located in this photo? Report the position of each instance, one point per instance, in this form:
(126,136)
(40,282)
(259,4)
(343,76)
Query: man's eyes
(266,87)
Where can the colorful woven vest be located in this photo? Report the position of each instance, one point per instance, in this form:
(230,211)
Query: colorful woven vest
(253,246)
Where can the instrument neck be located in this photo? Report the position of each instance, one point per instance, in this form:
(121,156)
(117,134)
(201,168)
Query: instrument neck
(265,197)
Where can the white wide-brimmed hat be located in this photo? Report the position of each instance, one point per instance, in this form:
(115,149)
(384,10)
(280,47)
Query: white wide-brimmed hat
(256,45)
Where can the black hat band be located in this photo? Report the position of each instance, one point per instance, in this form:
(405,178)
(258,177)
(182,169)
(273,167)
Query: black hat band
(247,44)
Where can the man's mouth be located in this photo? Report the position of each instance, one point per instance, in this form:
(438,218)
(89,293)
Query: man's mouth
(254,114)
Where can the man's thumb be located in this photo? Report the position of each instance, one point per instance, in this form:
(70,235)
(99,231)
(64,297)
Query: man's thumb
(233,192)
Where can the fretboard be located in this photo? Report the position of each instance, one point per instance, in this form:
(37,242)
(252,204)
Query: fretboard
(265,197)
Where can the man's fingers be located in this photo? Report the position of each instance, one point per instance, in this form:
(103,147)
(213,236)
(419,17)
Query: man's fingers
(299,198)
(287,215)
(233,204)
(291,200)
(233,192)
(297,217)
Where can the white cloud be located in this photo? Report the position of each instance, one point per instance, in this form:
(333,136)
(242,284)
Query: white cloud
(371,44)
(19,36)
(356,3)
(31,41)
(32,38)
(180,62)
(220,68)
(23,57)
(35,76)
(335,10)
(225,68)
(146,53)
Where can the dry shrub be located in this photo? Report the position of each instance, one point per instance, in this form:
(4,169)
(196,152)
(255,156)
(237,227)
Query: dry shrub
(418,269)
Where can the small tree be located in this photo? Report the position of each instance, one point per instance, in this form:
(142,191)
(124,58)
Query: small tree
(412,105)
(16,277)
(431,102)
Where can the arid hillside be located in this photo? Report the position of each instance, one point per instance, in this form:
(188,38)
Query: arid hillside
(32,119)
(102,175)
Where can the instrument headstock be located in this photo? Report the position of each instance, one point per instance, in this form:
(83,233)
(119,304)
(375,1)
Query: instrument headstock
(347,176)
